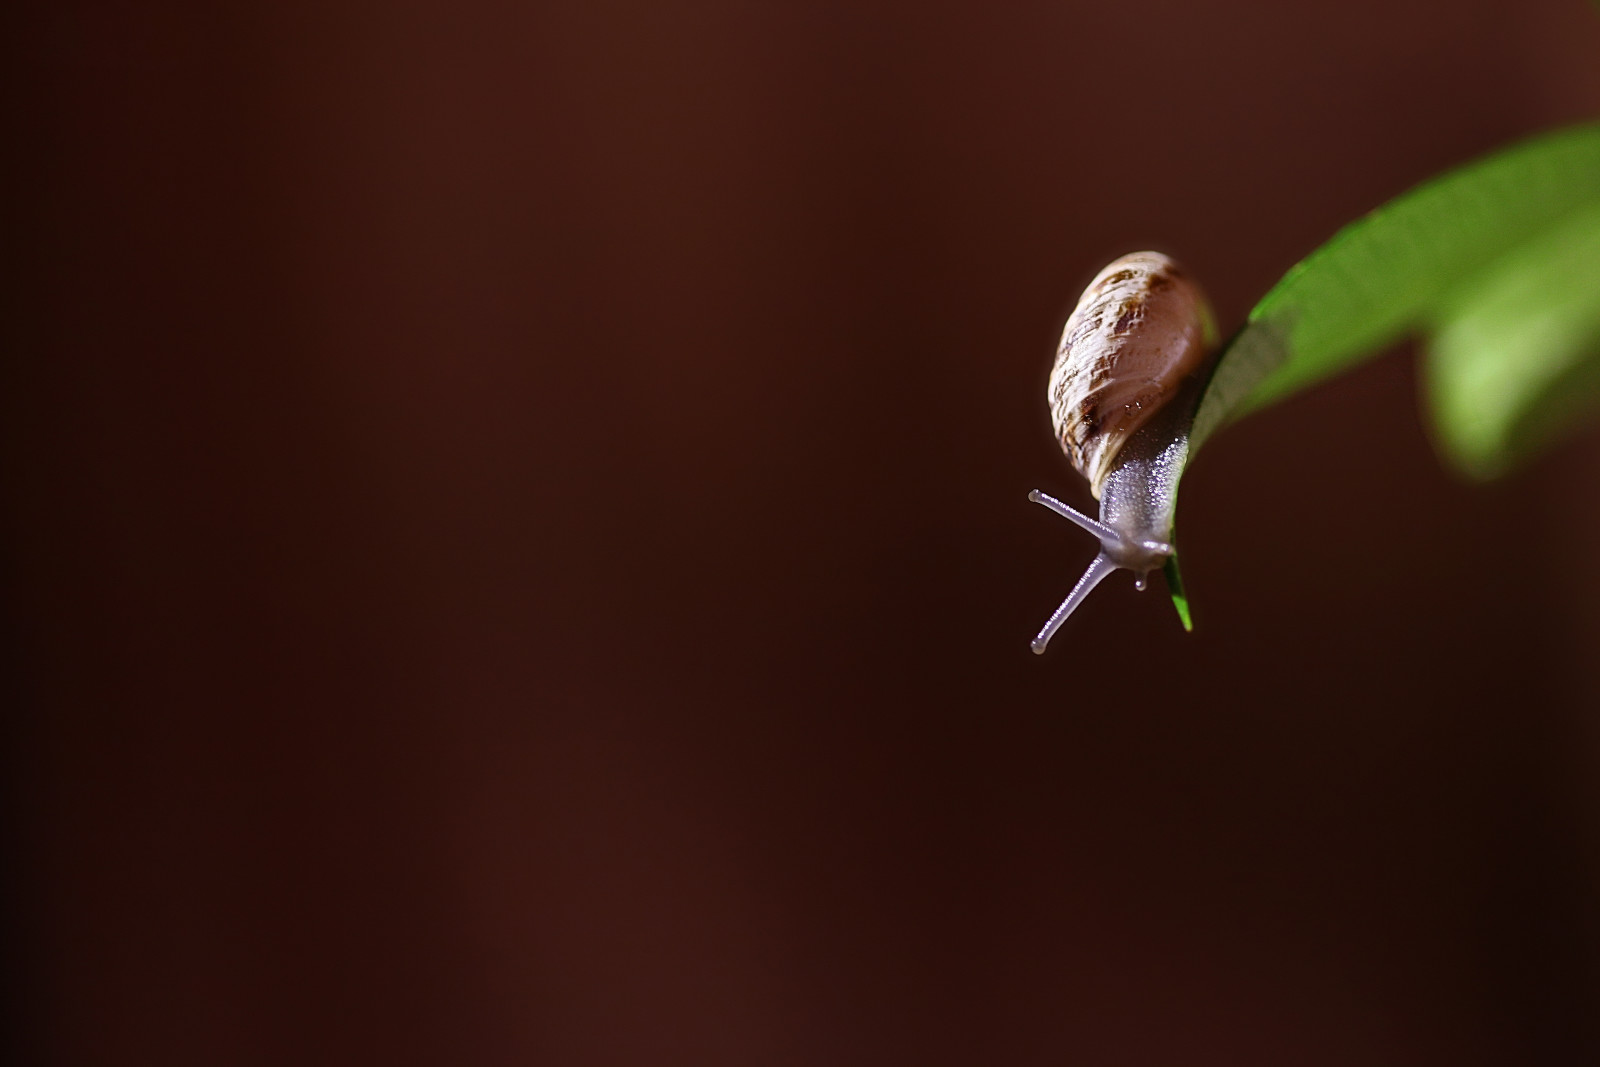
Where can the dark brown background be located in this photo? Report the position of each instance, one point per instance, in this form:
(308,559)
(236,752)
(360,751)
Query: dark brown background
(520,549)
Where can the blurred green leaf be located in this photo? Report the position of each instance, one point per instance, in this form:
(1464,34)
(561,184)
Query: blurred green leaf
(1423,259)
(1515,356)
(1497,262)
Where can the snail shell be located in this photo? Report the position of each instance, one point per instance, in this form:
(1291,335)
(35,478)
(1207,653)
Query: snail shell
(1134,356)
(1140,330)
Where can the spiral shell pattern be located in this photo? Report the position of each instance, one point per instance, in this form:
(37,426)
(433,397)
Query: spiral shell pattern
(1139,331)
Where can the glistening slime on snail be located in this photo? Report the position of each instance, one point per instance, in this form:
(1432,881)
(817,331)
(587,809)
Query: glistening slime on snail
(1134,357)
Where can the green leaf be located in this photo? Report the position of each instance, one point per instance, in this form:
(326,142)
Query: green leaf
(1411,263)
(1515,356)
(1499,261)
(1180,600)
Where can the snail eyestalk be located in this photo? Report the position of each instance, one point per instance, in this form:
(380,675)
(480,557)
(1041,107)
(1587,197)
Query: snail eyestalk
(1092,577)
(1139,556)
(1117,552)
(1106,534)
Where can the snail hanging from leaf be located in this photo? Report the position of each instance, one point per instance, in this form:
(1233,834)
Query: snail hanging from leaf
(1134,357)
(1493,263)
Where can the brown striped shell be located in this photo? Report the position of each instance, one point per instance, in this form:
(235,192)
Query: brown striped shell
(1141,328)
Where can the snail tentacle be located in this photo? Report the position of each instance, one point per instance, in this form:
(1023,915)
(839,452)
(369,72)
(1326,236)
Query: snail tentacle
(1097,572)
(1106,534)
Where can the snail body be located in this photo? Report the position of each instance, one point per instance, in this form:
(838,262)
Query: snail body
(1134,356)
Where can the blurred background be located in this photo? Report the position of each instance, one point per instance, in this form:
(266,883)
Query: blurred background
(518,549)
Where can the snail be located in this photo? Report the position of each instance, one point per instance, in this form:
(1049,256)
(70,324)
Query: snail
(1134,358)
